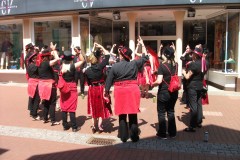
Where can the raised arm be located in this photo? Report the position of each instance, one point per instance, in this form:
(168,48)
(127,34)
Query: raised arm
(111,51)
(175,53)
(54,53)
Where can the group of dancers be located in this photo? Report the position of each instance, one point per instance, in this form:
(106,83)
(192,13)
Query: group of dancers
(131,78)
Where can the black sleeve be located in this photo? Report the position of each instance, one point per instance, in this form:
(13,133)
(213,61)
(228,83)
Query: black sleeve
(109,80)
(104,62)
(193,67)
(140,62)
(160,69)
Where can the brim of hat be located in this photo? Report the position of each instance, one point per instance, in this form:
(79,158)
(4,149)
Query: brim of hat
(124,55)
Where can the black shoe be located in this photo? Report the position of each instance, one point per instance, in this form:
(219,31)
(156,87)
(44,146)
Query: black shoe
(76,129)
(93,129)
(189,129)
(161,137)
(66,128)
(45,121)
(199,125)
(134,133)
(54,123)
(123,131)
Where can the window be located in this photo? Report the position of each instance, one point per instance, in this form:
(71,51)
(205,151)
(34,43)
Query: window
(53,31)
(11,42)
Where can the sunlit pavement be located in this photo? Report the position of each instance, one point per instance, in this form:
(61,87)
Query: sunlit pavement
(23,138)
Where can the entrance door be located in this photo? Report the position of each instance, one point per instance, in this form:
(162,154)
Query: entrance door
(152,44)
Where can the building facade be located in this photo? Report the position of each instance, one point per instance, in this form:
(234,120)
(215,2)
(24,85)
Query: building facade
(214,24)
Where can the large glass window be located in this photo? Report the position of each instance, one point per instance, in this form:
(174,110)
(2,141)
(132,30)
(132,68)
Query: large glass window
(11,42)
(216,41)
(99,31)
(233,41)
(194,32)
(157,28)
(53,31)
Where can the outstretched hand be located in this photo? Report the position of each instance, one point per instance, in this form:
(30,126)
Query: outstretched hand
(53,46)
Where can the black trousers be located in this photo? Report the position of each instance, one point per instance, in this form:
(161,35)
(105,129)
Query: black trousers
(194,101)
(50,105)
(165,104)
(81,77)
(34,103)
(72,119)
(131,117)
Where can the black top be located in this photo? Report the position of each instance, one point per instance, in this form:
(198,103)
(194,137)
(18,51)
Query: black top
(162,70)
(95,72)
(124,70)
(196,80)
(32,71)
(69,76)
(45,71)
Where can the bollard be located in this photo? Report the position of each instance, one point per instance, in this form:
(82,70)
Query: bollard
(206,137)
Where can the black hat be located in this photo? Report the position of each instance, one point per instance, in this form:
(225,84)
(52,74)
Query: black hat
(168,52)
(67,55)
(29,46)
(126,53)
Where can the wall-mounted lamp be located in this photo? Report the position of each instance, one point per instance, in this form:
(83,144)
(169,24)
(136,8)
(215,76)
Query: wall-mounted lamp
(116,15)
(191,12)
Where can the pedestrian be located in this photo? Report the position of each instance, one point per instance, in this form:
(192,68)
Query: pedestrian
(29,48)
(79,73)
(69,99)
(195,74)
(47,87)
(34,98)
(97,106)
(186,58)
(166,100)
(126,92)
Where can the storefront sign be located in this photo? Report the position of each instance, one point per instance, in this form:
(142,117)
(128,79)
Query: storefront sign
(15,7)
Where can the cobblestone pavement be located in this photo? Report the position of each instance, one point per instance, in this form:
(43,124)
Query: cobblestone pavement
(147,144)
(18,130)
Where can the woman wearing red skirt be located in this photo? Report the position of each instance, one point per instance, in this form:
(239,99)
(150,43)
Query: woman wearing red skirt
(126,92)
(68,90)
(95,78)
(46,86)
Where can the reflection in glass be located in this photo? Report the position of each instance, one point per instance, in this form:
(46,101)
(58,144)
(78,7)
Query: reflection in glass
(11,42)
(53,31)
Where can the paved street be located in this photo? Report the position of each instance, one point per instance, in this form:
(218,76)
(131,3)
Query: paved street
(22,138)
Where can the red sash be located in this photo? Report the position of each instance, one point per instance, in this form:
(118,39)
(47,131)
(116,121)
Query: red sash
(68,100)
(127,97)
(45,88)
(32,85)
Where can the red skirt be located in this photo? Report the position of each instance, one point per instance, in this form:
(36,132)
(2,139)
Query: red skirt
(45,88)
(68,101)
(32,85)
(127,97)
(96,104)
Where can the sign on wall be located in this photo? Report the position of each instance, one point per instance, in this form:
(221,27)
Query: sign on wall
(16,7)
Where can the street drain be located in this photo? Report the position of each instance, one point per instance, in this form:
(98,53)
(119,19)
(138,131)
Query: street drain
(101,141)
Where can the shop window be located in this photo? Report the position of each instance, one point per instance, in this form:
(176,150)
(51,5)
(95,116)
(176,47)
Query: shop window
(100,32)
(157,28)
(194,32)
(53,31)
(224,55)
(233,41)
(11,42)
